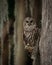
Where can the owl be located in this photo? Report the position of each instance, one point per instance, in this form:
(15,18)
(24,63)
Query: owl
(30,36)
(29,32)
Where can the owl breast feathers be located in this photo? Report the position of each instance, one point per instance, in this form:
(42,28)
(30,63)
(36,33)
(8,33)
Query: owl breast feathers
(29,28)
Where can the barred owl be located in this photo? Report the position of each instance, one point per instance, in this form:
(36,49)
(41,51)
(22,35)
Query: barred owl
(29,27)
(30,36)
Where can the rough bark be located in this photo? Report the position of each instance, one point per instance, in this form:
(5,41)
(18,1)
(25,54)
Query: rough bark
(19,45)
(3,20)
(45,44)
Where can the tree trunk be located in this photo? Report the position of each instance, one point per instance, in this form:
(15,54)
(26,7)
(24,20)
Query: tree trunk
(45,44)
(3,32)
(19,45)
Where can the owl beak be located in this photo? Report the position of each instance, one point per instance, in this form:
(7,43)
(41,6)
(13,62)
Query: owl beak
(29,24)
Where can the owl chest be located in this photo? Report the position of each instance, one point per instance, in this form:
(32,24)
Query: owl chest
(29,38)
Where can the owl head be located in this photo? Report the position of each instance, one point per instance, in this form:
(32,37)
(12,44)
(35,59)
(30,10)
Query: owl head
(29,24)
(29,21)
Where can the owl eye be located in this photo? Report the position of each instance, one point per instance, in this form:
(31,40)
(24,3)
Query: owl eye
(31,21)
(26,21)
